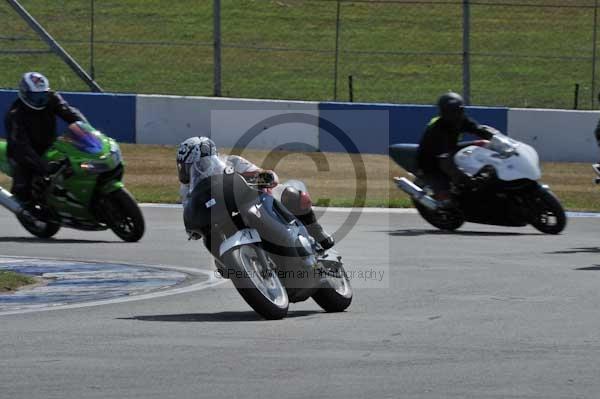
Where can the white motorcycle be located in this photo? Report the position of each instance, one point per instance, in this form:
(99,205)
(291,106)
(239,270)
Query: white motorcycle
(510,196)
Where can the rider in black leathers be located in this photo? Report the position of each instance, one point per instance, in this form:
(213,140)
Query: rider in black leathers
(30,125)
(440,142)
(299,203)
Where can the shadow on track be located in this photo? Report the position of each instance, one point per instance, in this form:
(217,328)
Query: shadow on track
(422,232)
(55,240)
(216,317)
(594,267)
(584,250)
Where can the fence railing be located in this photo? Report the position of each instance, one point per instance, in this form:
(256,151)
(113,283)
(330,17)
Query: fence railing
(519,53)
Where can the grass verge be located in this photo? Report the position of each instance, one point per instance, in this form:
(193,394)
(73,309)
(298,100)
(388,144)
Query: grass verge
(11,281)
(150,174)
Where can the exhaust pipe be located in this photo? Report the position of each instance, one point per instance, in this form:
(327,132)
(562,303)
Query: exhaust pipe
(8,201)
(416,193)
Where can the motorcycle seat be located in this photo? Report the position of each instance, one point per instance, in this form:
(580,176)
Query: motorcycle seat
(405,155)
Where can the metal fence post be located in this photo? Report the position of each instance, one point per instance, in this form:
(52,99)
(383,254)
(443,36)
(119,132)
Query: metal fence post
(92,22)
(54,46)
(595,44)
(337,50)
(466,52)
(217,47)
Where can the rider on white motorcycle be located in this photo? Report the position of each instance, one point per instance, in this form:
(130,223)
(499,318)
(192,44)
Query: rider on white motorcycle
(440,142)
(197,158)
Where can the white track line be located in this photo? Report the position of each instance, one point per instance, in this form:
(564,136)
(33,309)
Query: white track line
(406,211)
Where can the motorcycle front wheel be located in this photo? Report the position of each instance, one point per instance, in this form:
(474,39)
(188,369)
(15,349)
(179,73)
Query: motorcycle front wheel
(336,295)
(256,280)
(123,215)
(548,215)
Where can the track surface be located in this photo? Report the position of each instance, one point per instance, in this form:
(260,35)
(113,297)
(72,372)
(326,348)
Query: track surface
(484,313)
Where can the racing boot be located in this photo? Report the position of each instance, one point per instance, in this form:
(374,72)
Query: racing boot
(315,229)
(299,204)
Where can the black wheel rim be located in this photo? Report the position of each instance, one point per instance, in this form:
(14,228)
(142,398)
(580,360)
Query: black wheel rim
(547,215)
(123,224)
(126,225)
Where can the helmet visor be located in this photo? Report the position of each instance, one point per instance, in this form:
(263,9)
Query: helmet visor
(183,171)
(38,99)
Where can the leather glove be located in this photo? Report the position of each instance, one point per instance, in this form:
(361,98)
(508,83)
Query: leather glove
(265,179)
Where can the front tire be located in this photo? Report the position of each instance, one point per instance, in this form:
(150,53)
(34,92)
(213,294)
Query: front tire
(337,294)
(443,219)
(547,213)
(123,215)
(257,282)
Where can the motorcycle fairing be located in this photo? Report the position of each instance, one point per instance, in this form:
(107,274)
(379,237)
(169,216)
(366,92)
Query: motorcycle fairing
(522,163)
(241,237)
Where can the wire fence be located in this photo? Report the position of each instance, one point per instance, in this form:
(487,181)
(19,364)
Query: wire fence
(525,53)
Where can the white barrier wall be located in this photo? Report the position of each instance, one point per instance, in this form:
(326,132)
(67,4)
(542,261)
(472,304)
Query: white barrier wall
(557,135)
(172,119)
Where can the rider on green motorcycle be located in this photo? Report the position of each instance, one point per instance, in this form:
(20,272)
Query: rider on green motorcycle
(30,125)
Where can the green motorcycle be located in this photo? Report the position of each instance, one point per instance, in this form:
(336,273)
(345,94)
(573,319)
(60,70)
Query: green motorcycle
(84,191)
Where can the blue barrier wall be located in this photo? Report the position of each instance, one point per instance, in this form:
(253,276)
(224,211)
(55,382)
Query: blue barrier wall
(371,128)
(343,127)
(113,114)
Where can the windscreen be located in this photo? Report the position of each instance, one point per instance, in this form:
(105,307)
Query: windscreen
(83,137)
(205,167)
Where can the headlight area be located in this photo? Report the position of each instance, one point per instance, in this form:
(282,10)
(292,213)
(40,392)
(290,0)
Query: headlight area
(95,166)
(115,152)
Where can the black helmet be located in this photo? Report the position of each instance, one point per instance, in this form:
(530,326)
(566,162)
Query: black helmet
(452,107)
(33,90)
(190,151)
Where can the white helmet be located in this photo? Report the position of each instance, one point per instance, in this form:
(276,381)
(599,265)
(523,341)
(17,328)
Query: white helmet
(190,151)
(33,90)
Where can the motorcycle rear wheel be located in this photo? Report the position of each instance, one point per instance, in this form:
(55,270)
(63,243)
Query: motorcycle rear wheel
(446,219)
(257,282)
(39,229)
(548,214)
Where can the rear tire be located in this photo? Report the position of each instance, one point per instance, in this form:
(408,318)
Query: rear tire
(548,215)
(337,297)
(257,282)
(43,230)
(443,219)
(123,215)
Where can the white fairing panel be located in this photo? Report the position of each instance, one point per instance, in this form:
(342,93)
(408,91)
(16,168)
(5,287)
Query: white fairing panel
(513,161)
(242,237)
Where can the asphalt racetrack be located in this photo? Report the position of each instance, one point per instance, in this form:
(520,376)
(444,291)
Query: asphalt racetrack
(486,312)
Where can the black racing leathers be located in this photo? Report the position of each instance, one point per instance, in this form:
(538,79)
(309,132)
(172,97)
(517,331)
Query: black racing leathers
(30,133)
(440,142)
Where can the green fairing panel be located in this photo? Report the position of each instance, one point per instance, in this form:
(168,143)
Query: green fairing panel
(4,165)
(82,184)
